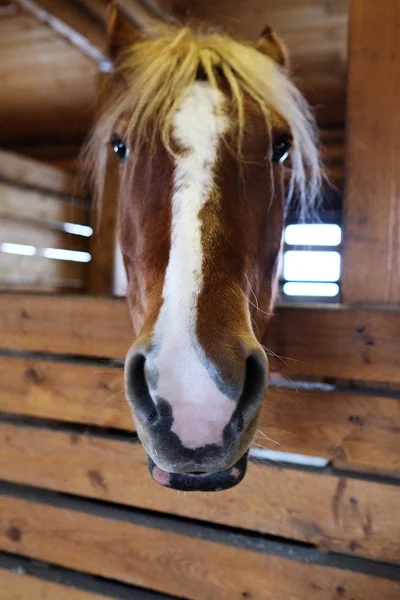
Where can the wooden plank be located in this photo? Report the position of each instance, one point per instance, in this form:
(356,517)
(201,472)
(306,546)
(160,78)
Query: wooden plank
(38,272)
(320,341)
(39,236)
(338,342)
(338,514)
(350,430)
(68,392)
(23,171)
(103,242)
(73,24)
(17,203)
(17,586)
(171,562)
(371,259)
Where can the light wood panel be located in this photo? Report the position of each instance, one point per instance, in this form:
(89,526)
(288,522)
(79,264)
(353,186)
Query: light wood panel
(39,236)
(170,562)
(313,340)
(17,586)
(88,394)
(344,515)
(40,273)
(351,430)
(23,171)
(16,202)
(371,259)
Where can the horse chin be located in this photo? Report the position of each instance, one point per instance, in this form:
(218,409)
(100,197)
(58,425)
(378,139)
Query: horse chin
(200,482)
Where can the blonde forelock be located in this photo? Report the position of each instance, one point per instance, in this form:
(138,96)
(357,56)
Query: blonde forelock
(157,72)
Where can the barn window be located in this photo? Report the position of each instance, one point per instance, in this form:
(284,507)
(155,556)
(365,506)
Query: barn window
(311,261)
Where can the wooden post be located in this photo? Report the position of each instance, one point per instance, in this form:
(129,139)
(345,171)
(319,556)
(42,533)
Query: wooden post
(371,260)
(103,241)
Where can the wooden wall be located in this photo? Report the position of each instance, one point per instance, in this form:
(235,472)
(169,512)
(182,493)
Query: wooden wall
(76,493)
(38,205)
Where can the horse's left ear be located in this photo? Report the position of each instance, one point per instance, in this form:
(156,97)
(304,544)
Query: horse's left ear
(270,44)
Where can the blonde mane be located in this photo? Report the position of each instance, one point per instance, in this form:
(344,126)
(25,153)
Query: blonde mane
(158,71)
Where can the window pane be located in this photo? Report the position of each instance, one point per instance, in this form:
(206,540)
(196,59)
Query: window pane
(313,235)
(311,266)
(300,288)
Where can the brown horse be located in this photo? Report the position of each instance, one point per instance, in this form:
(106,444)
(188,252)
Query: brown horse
(200,126)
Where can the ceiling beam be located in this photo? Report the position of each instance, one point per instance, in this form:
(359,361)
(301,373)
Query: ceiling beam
(84,26)
(75,25)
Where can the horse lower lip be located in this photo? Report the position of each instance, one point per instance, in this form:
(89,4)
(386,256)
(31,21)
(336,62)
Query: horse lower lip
(200,482)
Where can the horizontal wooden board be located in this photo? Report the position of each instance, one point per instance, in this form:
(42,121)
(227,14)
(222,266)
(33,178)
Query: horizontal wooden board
(320,341)
(24,171)
(343,515)
(16,202)
(38,272)
(170,562)
(17,586)
(39,236)
(351,430)
(341,341)
(68,392)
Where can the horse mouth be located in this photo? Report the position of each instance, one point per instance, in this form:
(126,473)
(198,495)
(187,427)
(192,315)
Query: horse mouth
(200,482)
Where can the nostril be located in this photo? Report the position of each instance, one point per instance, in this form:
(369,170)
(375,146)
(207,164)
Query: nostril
(253,388)
(138,390)
(239,422)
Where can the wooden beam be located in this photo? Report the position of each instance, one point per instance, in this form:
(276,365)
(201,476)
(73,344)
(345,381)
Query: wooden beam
(103,242)
(169,562)
(371,260)
(316,341)
(351,430)
(74,24)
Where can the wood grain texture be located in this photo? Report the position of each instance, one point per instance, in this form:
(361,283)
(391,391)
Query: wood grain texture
(39,273)
(23,171)
(103,243)
(314,340)
(16,586)
(21,203)
(169,562)
(71,23)
(338,342)
(371,259)
(351,430)
(47,86)
(39,235)
(68,392)
(343,515)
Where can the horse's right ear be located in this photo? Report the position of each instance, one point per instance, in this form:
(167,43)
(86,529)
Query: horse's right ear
(271,45)
(121,34)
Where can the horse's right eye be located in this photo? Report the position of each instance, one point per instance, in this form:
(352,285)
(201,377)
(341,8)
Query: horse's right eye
(119,147)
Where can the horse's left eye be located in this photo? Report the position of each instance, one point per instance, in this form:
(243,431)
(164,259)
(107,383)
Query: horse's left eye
(119,147)
(281,148)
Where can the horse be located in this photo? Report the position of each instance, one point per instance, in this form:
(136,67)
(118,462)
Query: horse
(209,140)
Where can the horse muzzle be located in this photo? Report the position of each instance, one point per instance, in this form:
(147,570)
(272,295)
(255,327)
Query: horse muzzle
(202,481)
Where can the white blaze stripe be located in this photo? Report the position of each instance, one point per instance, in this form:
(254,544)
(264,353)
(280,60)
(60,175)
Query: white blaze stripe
(200,409)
